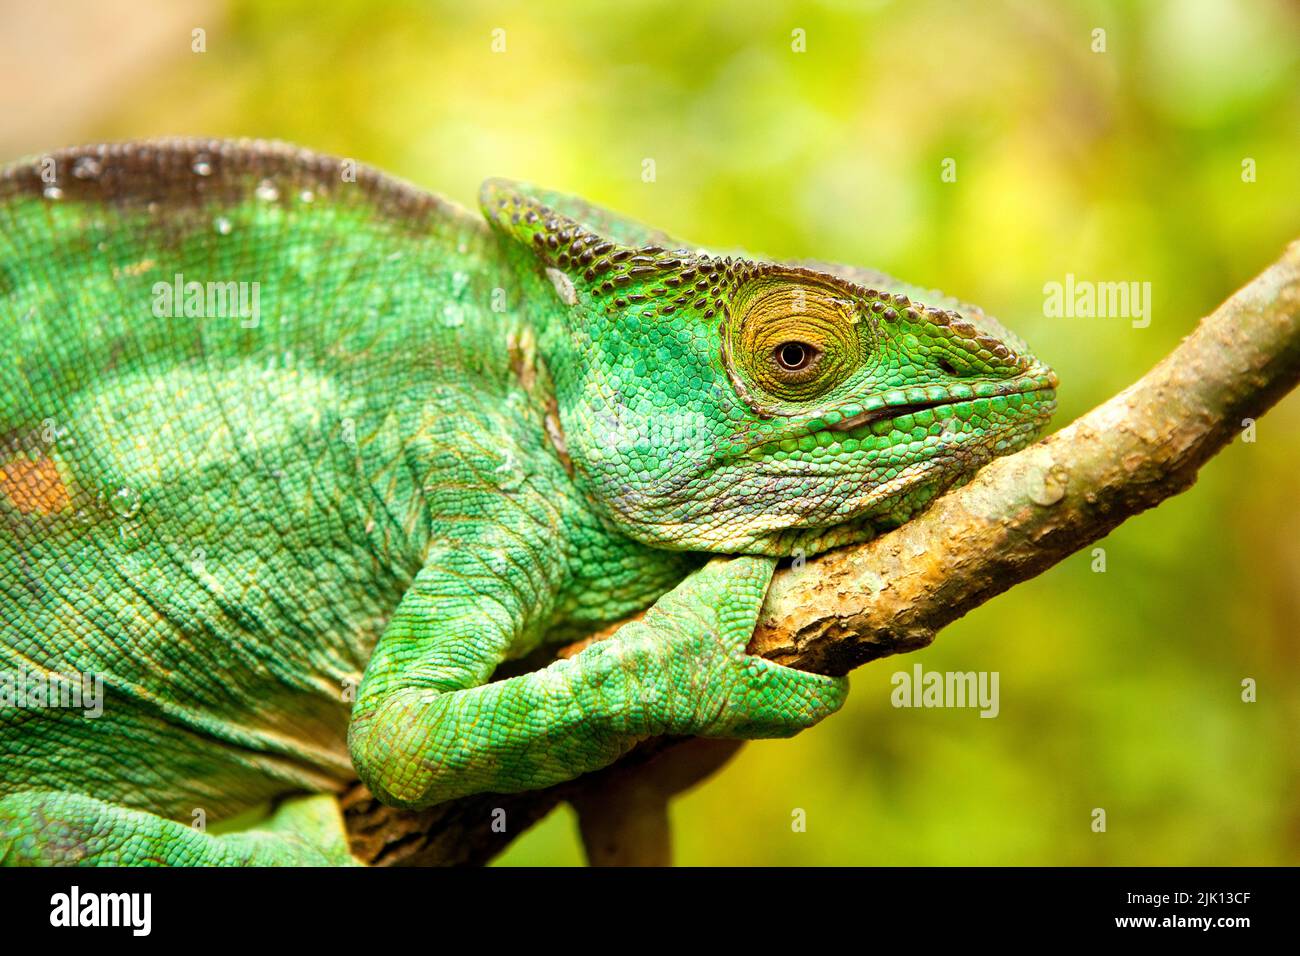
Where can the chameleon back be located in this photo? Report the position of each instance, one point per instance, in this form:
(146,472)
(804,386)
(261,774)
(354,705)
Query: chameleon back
(225,372)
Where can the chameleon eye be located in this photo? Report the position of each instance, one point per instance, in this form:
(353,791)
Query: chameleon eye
(792,340)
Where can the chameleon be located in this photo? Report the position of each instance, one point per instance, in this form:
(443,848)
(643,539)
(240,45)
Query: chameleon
(294,455)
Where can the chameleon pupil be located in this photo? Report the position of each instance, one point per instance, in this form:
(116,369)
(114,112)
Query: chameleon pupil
(792,356)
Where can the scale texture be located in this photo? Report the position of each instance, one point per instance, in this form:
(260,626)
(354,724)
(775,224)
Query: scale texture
(293,456)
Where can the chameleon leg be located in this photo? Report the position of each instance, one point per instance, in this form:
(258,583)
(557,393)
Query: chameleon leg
(45,828)
(423,732)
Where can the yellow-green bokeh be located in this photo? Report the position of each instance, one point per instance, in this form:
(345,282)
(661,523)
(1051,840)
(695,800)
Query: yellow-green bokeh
(1119,690)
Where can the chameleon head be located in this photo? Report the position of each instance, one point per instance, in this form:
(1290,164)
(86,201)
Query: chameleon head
(725,404)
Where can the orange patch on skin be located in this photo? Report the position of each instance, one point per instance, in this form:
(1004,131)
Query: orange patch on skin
(34,487)
(134,269)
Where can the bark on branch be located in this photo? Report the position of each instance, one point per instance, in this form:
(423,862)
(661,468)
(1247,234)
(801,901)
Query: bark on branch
(1019,516)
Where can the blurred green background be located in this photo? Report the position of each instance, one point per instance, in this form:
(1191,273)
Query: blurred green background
(1119,690)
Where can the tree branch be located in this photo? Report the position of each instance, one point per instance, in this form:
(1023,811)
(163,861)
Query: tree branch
(1019,516)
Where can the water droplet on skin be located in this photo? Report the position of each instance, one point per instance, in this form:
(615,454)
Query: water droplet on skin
(125,502)
(222,225)
(202,166)
(87,167)
(53,193)
(266,191)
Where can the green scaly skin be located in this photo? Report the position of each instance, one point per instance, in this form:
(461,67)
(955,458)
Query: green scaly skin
(447,441)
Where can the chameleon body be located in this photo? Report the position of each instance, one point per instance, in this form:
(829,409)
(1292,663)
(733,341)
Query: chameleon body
(293,456)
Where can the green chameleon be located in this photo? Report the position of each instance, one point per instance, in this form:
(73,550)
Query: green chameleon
(293,456)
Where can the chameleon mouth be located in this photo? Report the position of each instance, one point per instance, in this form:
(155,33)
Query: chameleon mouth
(1028,396)
(1043,388)
(890,411)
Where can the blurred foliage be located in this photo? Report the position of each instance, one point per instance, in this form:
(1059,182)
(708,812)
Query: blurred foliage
(1121,689)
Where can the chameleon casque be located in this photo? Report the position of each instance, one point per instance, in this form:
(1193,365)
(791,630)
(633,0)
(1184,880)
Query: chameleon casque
(440,442)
